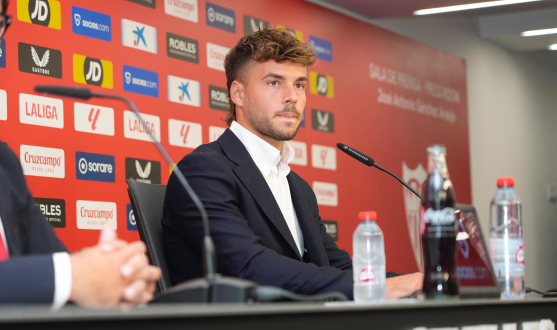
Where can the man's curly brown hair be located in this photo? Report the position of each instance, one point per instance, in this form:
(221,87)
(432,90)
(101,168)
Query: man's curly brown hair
(261,46)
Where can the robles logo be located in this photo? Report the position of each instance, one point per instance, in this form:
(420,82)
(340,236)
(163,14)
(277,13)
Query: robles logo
(323,157)
(40,110)
(91,71)
(218,98)
(96,215)
(54,210)
(41,12)
(95,167)
(301,153)
(41,161)
(91,24)
(182,48)
(184,134)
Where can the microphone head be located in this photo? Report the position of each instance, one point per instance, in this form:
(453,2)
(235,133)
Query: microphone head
(80,93)
(356,154)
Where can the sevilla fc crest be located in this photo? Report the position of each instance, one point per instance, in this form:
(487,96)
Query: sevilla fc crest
(412,203)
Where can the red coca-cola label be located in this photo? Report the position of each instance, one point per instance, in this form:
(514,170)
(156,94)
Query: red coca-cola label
(366,275)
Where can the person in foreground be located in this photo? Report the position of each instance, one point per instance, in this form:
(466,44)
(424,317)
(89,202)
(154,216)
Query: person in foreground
(264,218)
(36,268)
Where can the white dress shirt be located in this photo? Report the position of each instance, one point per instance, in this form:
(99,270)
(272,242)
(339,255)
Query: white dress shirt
(273,164)
(62,274)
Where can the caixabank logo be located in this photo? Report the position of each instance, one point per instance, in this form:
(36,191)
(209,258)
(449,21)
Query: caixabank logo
(184,91)
(220,17)
(41,12)
(218,98)
(139,36)
(41,111)
(321,84)
(322,121)
(92,71)
(182,48)
(91,24)
(42,161)
(253,24)
(40,60)
(95,167)
(142,170)
(141,81)
(54,210)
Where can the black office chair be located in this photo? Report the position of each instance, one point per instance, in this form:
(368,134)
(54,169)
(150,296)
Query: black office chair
(147,203)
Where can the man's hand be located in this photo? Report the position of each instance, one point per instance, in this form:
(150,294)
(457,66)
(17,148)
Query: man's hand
(112,272)
(404,285)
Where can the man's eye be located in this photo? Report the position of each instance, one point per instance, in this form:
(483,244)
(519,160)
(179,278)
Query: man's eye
(273,83)
(300,86)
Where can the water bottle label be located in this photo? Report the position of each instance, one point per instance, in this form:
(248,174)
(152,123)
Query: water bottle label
(507,255)
(520,254)
(366,275)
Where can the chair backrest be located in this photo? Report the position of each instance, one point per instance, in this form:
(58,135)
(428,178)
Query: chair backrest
(147,203)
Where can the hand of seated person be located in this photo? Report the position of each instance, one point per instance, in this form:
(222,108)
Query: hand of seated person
(404,285)
(111,273)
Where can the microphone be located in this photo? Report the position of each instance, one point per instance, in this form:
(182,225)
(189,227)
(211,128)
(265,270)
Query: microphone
(370,162)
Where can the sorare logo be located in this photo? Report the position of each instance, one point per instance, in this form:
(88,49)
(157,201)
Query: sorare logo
(184,91)
(2,53)
(182,48)
(220,17)
(40,60)
(91,24)
(141,81)
(132,224)
(54,210)
(92,71)
(323,48)
(322,121)
(140,36)
(142,170)
(95,167)
(41,12)
(321,84)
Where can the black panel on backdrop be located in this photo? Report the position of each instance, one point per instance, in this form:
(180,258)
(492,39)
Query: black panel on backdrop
(332,228)
(54,211)
(182,48)
(218,98)
(322,120)
(148,3)
(142,170)
(40,60)
(253,24)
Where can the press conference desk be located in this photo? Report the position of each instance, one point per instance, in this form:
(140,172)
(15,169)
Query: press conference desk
(285,316)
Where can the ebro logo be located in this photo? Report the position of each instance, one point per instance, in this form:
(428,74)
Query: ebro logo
(366,275)
(40,12)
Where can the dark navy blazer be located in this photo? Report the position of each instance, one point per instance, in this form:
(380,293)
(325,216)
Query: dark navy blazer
(250,234)
(28,275)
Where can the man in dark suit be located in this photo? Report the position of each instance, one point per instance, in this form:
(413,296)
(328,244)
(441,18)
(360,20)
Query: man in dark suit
(35,266)
(264,218)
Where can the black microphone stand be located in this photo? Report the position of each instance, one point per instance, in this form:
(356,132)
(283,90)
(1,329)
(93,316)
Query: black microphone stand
(212,288)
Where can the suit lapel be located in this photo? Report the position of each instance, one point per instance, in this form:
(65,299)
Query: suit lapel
(5,212)
(253,180)
(312,238)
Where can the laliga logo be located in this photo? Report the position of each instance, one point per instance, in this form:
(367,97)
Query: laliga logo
(128,77)
(366,275)
(83,166)
(463,246)
(211,14)
(77,18)
(131,217)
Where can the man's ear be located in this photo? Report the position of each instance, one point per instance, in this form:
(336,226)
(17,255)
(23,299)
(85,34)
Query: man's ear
(237,92)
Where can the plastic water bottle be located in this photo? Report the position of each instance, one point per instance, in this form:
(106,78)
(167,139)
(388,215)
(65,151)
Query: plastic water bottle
(506,242)
(368,262)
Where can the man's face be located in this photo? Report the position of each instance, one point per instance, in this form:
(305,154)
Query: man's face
(275,97)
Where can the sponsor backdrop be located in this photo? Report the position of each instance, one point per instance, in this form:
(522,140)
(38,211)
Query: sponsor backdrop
(378,92)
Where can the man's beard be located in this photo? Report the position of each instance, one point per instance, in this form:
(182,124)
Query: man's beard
(265,126)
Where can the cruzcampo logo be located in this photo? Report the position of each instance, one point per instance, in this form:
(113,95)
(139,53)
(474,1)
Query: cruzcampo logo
(41,12)
(92,71)
(321,84)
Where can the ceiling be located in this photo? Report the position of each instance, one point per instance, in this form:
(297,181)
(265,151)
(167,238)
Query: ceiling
(502,24)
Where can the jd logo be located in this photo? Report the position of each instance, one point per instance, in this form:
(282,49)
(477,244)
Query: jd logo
(40,12)
(94,71)
(321,84)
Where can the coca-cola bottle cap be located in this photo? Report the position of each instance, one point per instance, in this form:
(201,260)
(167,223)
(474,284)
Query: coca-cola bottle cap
(367,215)
(505,182)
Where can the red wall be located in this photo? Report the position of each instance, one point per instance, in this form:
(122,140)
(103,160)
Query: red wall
(388,133)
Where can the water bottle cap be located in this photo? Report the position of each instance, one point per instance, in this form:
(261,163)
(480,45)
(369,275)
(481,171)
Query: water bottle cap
(367,215)
(505,182)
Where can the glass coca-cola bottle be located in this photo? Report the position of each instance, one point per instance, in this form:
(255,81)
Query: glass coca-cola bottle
(439,229)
